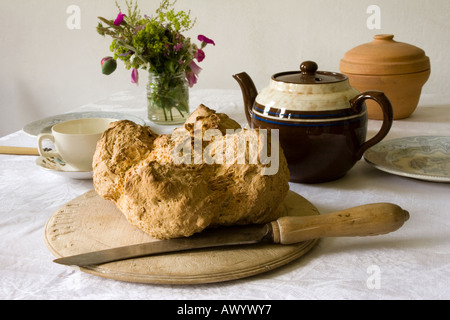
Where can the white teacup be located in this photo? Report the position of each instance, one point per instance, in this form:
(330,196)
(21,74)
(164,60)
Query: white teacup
(75,141)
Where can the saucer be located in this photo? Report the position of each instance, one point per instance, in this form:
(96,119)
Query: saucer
(59,167)
(421,157)
(45,125)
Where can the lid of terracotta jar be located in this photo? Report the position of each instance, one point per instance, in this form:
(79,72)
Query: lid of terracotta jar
(384,56)
(308,74)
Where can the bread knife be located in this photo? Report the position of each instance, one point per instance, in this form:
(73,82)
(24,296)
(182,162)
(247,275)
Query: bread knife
(365,220)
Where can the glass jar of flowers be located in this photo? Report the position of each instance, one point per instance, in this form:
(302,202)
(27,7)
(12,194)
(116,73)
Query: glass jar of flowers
(156,43)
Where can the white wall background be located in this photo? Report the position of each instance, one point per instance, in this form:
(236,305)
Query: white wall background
(47,69)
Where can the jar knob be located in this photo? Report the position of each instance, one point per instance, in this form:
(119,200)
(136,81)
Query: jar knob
(308,67)
(387,37)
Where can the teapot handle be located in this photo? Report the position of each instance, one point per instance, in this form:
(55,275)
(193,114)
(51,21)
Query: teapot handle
(388,117)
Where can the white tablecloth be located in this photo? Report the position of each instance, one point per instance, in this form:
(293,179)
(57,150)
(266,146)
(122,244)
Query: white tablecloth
(411,263)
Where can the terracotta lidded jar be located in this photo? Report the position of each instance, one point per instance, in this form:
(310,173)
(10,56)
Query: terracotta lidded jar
(398,69)
(321,120)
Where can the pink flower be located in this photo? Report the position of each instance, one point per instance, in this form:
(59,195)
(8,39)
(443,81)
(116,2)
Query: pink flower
(135,76)
(119,19)
(205,40)
(192,79)
(199,55)
(193,73)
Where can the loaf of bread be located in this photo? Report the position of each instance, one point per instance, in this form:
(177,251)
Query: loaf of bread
(169,192)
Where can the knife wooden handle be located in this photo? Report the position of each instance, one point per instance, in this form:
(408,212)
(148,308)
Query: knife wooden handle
(19,150)
(365,220)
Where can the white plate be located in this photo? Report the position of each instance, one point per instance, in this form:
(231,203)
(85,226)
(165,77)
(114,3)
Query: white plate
(45,125)
(59,167)
(422,157)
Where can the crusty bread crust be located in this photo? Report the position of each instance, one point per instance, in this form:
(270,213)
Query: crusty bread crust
(135,168)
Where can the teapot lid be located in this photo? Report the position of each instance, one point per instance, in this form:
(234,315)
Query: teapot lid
(384,56)
(308,74)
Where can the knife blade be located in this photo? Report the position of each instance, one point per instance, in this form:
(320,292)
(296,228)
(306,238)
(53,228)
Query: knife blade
(365,220)
(210,238)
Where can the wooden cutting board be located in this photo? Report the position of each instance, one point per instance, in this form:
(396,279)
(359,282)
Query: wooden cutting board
(90,223)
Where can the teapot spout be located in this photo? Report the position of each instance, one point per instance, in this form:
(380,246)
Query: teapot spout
(249,93)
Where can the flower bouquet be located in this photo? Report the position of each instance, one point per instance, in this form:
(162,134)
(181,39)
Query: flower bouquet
(157,44)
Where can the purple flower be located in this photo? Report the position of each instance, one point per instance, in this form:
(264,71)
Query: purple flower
(205,40)
(135,76)
(199,55)
(193,73)
(126,53)
(119,19)
(178,47)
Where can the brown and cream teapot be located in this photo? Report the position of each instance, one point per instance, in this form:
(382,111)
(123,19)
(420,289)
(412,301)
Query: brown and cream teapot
(322,120)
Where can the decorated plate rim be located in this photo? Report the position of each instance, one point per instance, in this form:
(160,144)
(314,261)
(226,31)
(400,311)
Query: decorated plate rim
(372,156)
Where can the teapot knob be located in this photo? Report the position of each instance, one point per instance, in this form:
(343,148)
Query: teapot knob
(309,67)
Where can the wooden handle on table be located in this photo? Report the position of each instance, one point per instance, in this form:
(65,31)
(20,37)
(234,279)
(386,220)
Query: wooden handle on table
(19,151)
(366,220)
